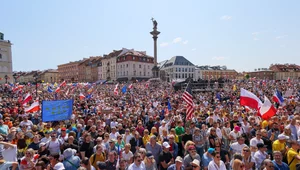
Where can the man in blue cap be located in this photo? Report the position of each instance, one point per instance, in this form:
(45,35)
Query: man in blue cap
(207,157)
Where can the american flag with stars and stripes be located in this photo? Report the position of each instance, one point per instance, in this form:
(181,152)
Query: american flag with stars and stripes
(188,98)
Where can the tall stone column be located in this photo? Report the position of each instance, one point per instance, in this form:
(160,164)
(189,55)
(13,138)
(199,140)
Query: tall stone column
(155,34)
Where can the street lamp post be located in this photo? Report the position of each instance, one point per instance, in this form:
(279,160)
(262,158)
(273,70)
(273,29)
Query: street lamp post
(36,84)
(6,77)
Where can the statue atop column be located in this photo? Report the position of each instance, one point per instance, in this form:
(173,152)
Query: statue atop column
(154,23)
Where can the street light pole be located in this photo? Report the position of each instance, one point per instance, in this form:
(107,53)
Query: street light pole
(6,77)
(36,85)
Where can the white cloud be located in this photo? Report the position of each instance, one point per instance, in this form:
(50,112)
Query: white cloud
(185,42)
(177,40)
(218,58)
(226,17)
(194,49)
(280,37)
(255,33)
(255,39)
(164,44)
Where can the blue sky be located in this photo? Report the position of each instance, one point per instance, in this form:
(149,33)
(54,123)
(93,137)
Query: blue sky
(242,35)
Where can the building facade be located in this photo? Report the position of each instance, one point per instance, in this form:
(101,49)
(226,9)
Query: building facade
(134,65)
(69,71)
(285,71)
(262,73)
(178,67)
(126,64)
(49,76)
(214,72)
(5,60)
(109,65)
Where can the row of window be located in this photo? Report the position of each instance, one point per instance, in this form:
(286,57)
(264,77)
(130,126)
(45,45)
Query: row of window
(184,70)
(184,75)
(133,58)
(140,66)
(134,73)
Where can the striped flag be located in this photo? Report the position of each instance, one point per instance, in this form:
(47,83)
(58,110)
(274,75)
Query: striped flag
(188,98)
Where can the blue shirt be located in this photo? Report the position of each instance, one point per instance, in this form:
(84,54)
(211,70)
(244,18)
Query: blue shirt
(283,166)
(206,159)
(173,167)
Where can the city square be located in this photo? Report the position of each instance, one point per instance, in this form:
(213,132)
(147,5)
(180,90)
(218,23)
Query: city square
(144,94)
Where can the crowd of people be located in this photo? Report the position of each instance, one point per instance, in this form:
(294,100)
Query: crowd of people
(146,128)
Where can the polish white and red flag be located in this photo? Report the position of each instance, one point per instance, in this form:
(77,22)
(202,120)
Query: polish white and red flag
(130,86)
(57,90)
(35,106)
(81,96)
(267,110)
(27,98)
(249,99)
(63,84)
(116,90)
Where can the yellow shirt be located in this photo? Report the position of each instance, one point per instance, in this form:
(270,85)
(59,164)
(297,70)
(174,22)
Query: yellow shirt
(146,140)
(278,146)
(290,155)
(100,158)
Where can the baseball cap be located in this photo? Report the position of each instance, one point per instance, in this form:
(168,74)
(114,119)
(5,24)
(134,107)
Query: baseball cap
(63,129)
(282,137)
(237,128)
(166,145)
(178,159)
(196,162)
(210,150)
(42,144)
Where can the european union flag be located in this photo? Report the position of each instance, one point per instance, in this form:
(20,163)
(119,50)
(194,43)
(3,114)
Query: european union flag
(56,110)
(124,89)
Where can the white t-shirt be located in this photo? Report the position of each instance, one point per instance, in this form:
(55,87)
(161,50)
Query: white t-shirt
(213,166)
(113,136)
(254,141)
(10,154)
(128,137)
(28,123)
(54,146)
(113,124)
(127,156)
(235,135)
(237,148)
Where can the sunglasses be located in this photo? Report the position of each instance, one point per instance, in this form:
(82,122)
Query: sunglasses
(194,166)
(217,156)
(246,150)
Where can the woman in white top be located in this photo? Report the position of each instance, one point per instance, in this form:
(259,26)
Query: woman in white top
(216,163)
